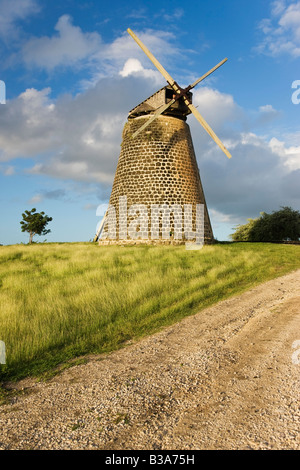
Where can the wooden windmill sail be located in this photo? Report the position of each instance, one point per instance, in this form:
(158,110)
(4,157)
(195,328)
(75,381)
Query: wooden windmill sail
(157,165)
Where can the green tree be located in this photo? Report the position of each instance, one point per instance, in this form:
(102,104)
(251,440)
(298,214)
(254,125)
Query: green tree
(276,227)
(285,224)
(242,232)
(35,223)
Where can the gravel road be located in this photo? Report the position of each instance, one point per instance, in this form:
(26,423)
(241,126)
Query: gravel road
(226,378)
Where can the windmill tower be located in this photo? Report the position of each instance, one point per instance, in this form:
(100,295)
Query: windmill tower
(157,189)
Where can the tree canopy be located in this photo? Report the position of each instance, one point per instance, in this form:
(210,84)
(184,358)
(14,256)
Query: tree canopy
(35,223)
(279,226)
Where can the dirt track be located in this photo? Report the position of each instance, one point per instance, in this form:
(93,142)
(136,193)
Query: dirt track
(226,378)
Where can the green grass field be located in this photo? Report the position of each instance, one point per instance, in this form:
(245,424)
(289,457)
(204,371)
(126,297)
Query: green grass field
(62,301)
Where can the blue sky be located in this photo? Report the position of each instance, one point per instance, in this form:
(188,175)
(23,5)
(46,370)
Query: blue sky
(72,73)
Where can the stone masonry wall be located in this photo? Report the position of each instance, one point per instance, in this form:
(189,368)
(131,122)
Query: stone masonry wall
(156,167)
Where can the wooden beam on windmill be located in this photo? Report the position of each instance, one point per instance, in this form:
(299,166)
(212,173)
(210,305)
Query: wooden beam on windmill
(180,93)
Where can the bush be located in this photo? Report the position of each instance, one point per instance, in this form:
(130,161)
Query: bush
(279,226)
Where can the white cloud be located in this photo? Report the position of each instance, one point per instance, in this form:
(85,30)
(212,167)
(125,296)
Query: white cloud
(267,108)
(27,124)
(73,138)
(282,30)
(138,14)
(109,59)
(263,116)
(7,170)
(278,7)
(290,154)
(36,199)
(13,11)
(131,66)
(73,170)
(255,179)
(70,46)
(134,67)
(159,43)
(67,47)
(174,15)
(217,108)
(262,174)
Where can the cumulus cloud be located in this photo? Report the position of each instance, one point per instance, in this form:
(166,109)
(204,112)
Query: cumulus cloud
(208,100)
(71,138)
(36,199)
(267,108)
(290,155)
(262,173)
(70,46)
(262,117)
(254,180)
(134,67)
(67,47)
(281,32)
(12,11)
(27,124)
(131,66)
(124,56)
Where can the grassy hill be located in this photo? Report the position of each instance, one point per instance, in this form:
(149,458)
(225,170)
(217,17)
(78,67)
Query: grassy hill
(62,301)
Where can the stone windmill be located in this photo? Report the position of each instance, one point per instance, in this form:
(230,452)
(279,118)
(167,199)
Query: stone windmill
(157,174)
